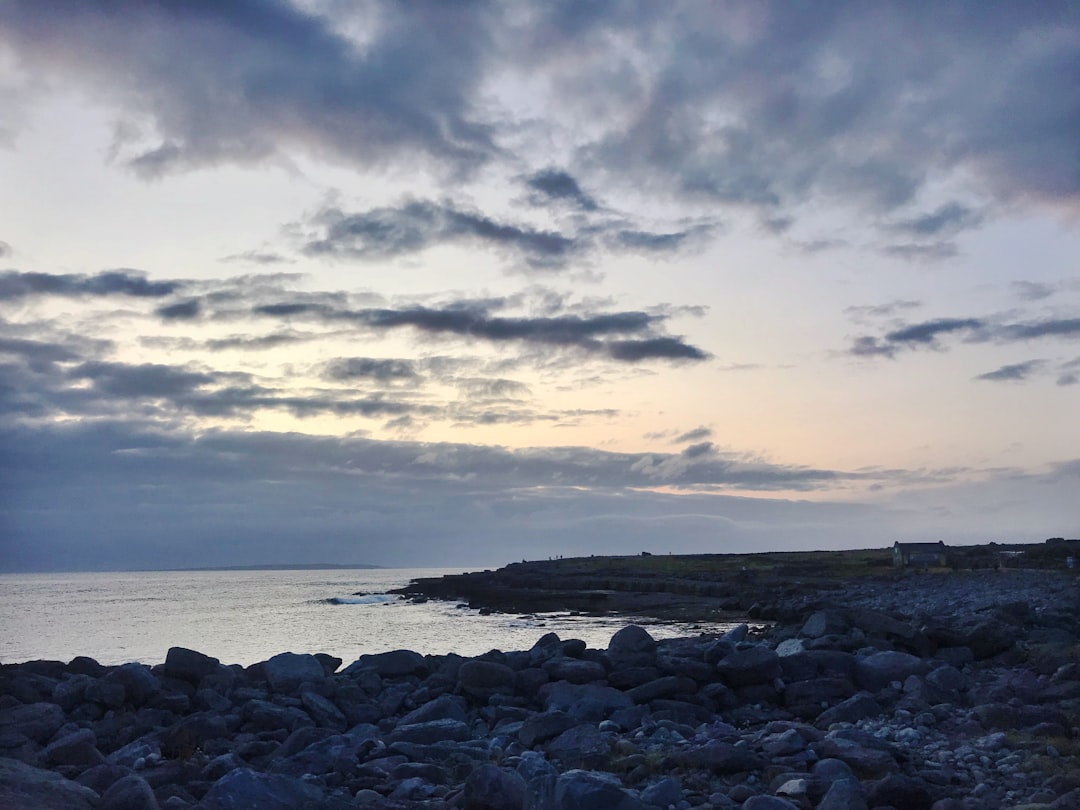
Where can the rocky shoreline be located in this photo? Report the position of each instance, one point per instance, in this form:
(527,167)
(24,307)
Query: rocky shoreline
(957,690)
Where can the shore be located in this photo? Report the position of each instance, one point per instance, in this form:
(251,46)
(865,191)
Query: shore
(859,688)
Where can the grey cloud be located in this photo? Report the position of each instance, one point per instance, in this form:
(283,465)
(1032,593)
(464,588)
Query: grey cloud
(1050,327)
(695,435)
(1014,372)
(928,331)
(181,311)
(917,251)
(947,219)
(881,310)
(258,342)
(262,78)
(15,285)
(383,233)
(552,184)
(257,257)
(378,369)
(976,330)
(592,334)
(5,250)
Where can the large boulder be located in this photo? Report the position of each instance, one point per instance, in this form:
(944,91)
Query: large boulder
(632,646)
(489,787)
(396,663)
(188,665)
(130,793)
(78,749)
(286,671)
(877,670)
(583,702)
(574,670)
(483,679)
(245,789)
(755,665)
(24,786)
(590,790)
(36,721)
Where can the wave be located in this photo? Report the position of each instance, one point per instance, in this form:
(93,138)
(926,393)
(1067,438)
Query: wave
(366,599)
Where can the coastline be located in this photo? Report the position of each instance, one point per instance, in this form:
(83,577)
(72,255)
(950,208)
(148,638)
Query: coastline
(945,691)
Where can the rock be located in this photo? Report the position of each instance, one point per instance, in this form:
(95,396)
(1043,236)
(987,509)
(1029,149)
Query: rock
(662,687)
(323,711)
(36,721)
(188,665)
(756,665)
(140,685)
(783,743)
(245,789)
(900,791)
(790,646)
(583,701)
(444,707)
(589,790)
(130,793)
(483,679)
(286,671)
(24,786)
(413,790)
(581,746)
(768,803)
(489,787)
(825,623)
(101,777)
(632,646)
(814,664)
(431,732)
(540,777)
(396,663)
(77,750)
(863,760)
(109,695)
(574,670)
(663,793)
(544,726)
(855,708)
(877,670)
(806,699)
(720,758)
(844,794)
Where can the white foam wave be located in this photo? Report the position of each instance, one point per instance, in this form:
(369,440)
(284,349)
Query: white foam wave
(367,599)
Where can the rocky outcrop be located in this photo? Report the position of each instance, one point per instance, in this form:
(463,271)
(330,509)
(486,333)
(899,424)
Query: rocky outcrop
(843,708)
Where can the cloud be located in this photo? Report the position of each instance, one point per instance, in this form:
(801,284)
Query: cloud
(257,257)
(947,219)
(15,285)
(385,233)
(695,435)
(927,332)
(378,369)
(181,311)
(5,250)
(266,78)
(553,185)
(1014,372)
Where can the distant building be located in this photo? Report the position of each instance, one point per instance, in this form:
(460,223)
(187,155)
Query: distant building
(922,555)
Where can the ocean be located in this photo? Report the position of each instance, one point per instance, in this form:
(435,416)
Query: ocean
(242,617)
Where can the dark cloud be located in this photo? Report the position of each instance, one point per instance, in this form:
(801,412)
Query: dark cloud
(948,219)
(695,435)
(975,330)
(596,333)
(15,285)
(383,233)
(258,342)
(378,369)
(917,251)
(1014,372)
(260,78)
(552,184)
(182,311)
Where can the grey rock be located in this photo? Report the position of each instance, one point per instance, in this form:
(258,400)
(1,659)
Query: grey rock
(544,726)
(583,701)
(721,758)
(757,665)
(900,791)
(574,670)
(140,685)
(832,770)
(855,708)
(590,790)
(540,776)
(768,803)
(483,679)
(863,760)
(109,695)
(665,792)
(145,747)
(489,787)
(667,686)
(783,743)
(36,721)
(130,793)
(101,777)
(844,794)
(444,707)
(70,692)
(323,711)
(877,670)
(78,750)
(188,665)
(632,646)
(581,746)
(814,664)
(24,786)
(245,789)
(430,732)
(825,623)
(286,671)
(790,646)
(414,789)
(396,663)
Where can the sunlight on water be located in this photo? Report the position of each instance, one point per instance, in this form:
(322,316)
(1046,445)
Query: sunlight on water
(242,617)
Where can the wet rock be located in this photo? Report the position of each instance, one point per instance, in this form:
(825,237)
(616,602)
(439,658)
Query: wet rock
(35,721)
(877,670)
(544,726)
(78,749)
(483,679)
(574,670)
(844,794)
(757,665)
(632,646)
(856,708)
(323,711)
(245,788)
(583,701)
(109,695)
(140,685)
(431,732)
(768,803)
(396,663)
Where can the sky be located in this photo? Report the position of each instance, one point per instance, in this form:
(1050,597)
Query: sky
(455,284)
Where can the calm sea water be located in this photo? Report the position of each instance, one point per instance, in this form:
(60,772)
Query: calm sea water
(242,617)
